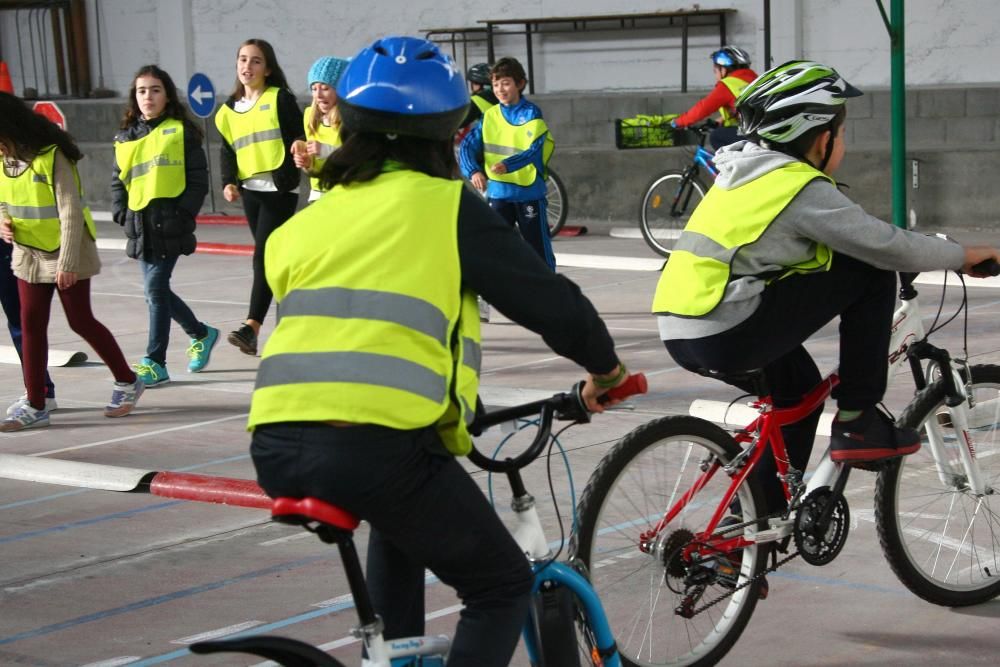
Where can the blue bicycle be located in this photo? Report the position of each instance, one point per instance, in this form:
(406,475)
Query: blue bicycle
(671,196)
(567,626)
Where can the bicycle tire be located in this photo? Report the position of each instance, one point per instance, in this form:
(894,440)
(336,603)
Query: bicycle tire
(666,207)
(616,507)
(921,520)
(556,202)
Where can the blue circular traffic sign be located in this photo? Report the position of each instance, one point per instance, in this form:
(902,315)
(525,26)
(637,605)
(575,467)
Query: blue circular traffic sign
(201,95)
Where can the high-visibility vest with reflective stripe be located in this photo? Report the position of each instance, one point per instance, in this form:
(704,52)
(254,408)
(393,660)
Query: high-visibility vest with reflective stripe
(31,203)
(502,139)
(152,167)
(255,135)
(735,86)
(694,280)
(324,135)
(374,326)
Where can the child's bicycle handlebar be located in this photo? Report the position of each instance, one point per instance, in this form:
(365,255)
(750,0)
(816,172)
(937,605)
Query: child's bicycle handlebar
(567,406)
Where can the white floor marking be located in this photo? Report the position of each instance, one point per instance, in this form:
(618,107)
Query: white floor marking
(215,634)
(114,662)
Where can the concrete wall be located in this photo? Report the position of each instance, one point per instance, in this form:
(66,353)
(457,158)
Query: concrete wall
(952,42)
(953,132)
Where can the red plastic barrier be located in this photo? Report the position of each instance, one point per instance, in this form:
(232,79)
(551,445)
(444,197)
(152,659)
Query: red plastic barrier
(572,230)
(221,220)
(209,489)
(224,249)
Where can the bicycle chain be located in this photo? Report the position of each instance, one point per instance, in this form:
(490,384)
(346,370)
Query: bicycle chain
(744,584)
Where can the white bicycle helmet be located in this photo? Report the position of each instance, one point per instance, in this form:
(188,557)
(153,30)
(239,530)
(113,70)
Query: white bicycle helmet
(785,102)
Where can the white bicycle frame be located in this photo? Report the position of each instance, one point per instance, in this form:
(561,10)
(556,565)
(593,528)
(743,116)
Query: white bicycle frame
(908,328)
(529,535)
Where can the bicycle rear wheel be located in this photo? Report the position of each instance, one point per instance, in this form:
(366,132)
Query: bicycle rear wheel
(641,588)
(557,203)
(942,541)
(666,207)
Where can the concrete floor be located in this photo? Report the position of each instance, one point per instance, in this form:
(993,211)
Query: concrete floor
(103,578)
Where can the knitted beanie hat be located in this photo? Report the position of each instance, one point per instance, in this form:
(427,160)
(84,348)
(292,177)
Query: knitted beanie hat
(327,70)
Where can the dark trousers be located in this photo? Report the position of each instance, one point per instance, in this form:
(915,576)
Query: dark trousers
(265,211)
(723,136)
(791,311)
(165,306)
(36,303)
(531,218)
(425,511)
(11,304)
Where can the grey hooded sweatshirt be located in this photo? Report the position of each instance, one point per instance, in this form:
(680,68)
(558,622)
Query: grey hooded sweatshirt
(820,213)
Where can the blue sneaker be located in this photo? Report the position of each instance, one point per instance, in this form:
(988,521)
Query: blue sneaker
(201,350)
(124,397)
(150,372)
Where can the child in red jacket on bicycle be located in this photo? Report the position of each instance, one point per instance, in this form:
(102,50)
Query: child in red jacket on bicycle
(731,66)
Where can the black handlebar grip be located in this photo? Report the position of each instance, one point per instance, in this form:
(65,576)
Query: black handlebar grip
(989,267)
(634,384)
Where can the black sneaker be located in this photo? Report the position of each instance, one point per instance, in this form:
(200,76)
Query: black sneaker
(245,339)
(872,436)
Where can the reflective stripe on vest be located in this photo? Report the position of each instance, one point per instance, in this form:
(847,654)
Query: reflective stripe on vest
(695,277)
(366,334)
(152,167)
(255,135)
(31,203)
(736,86)
(502,139)
(324,134)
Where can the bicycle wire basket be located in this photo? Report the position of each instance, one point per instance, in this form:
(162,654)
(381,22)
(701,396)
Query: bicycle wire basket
(649,131)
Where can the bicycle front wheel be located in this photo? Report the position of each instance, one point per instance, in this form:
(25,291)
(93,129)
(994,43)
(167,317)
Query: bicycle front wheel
(667,204)
(941,540)
(643,581)
(556,202)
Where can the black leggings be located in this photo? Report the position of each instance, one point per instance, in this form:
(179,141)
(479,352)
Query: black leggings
(425,511)
(792,310)
(265,211)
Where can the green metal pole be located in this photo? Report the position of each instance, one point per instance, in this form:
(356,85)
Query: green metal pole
(898,115)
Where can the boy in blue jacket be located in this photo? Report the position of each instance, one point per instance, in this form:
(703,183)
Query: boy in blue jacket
(506,154)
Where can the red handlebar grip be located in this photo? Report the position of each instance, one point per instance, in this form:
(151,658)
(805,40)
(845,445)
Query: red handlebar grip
(634,384)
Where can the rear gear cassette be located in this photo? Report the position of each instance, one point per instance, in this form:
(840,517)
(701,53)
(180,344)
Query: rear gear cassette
(818,545)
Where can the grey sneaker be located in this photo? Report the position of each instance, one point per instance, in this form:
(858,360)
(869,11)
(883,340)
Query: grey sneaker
(25,417)
(50,404)
(123,398)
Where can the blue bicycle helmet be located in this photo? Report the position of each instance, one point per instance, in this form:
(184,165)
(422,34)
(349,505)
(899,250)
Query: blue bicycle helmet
(403,85)
(732,57)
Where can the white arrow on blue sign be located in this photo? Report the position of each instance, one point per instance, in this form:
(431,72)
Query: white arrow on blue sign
(201,95)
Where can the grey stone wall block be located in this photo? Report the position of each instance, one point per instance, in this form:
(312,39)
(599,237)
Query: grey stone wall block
(982,102)
(946,103)
(973,131)
(881,101)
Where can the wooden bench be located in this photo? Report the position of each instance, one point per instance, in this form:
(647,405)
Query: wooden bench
(682,20)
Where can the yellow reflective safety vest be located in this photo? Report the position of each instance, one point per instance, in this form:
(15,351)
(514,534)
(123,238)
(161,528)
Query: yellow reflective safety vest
(255,135)
(501,140)
(152,167)
(482,103)
(736,86)
(374,326)
(31,203)
(323,134)
(694,280)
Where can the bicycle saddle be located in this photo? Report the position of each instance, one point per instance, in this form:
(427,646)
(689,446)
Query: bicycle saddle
(753,380)
(301,511)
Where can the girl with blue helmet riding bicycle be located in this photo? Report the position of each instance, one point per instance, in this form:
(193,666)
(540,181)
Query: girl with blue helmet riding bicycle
(369,381)
(775,251)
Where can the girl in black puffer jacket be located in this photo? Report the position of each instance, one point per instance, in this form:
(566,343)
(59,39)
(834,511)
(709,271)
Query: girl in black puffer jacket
(159,182)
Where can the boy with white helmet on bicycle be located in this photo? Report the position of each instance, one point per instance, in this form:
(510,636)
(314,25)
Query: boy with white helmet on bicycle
(775,251)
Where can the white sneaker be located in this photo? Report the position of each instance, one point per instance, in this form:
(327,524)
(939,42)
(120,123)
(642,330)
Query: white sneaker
(50,404)
(123,398)
(484,310)
(25,417)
